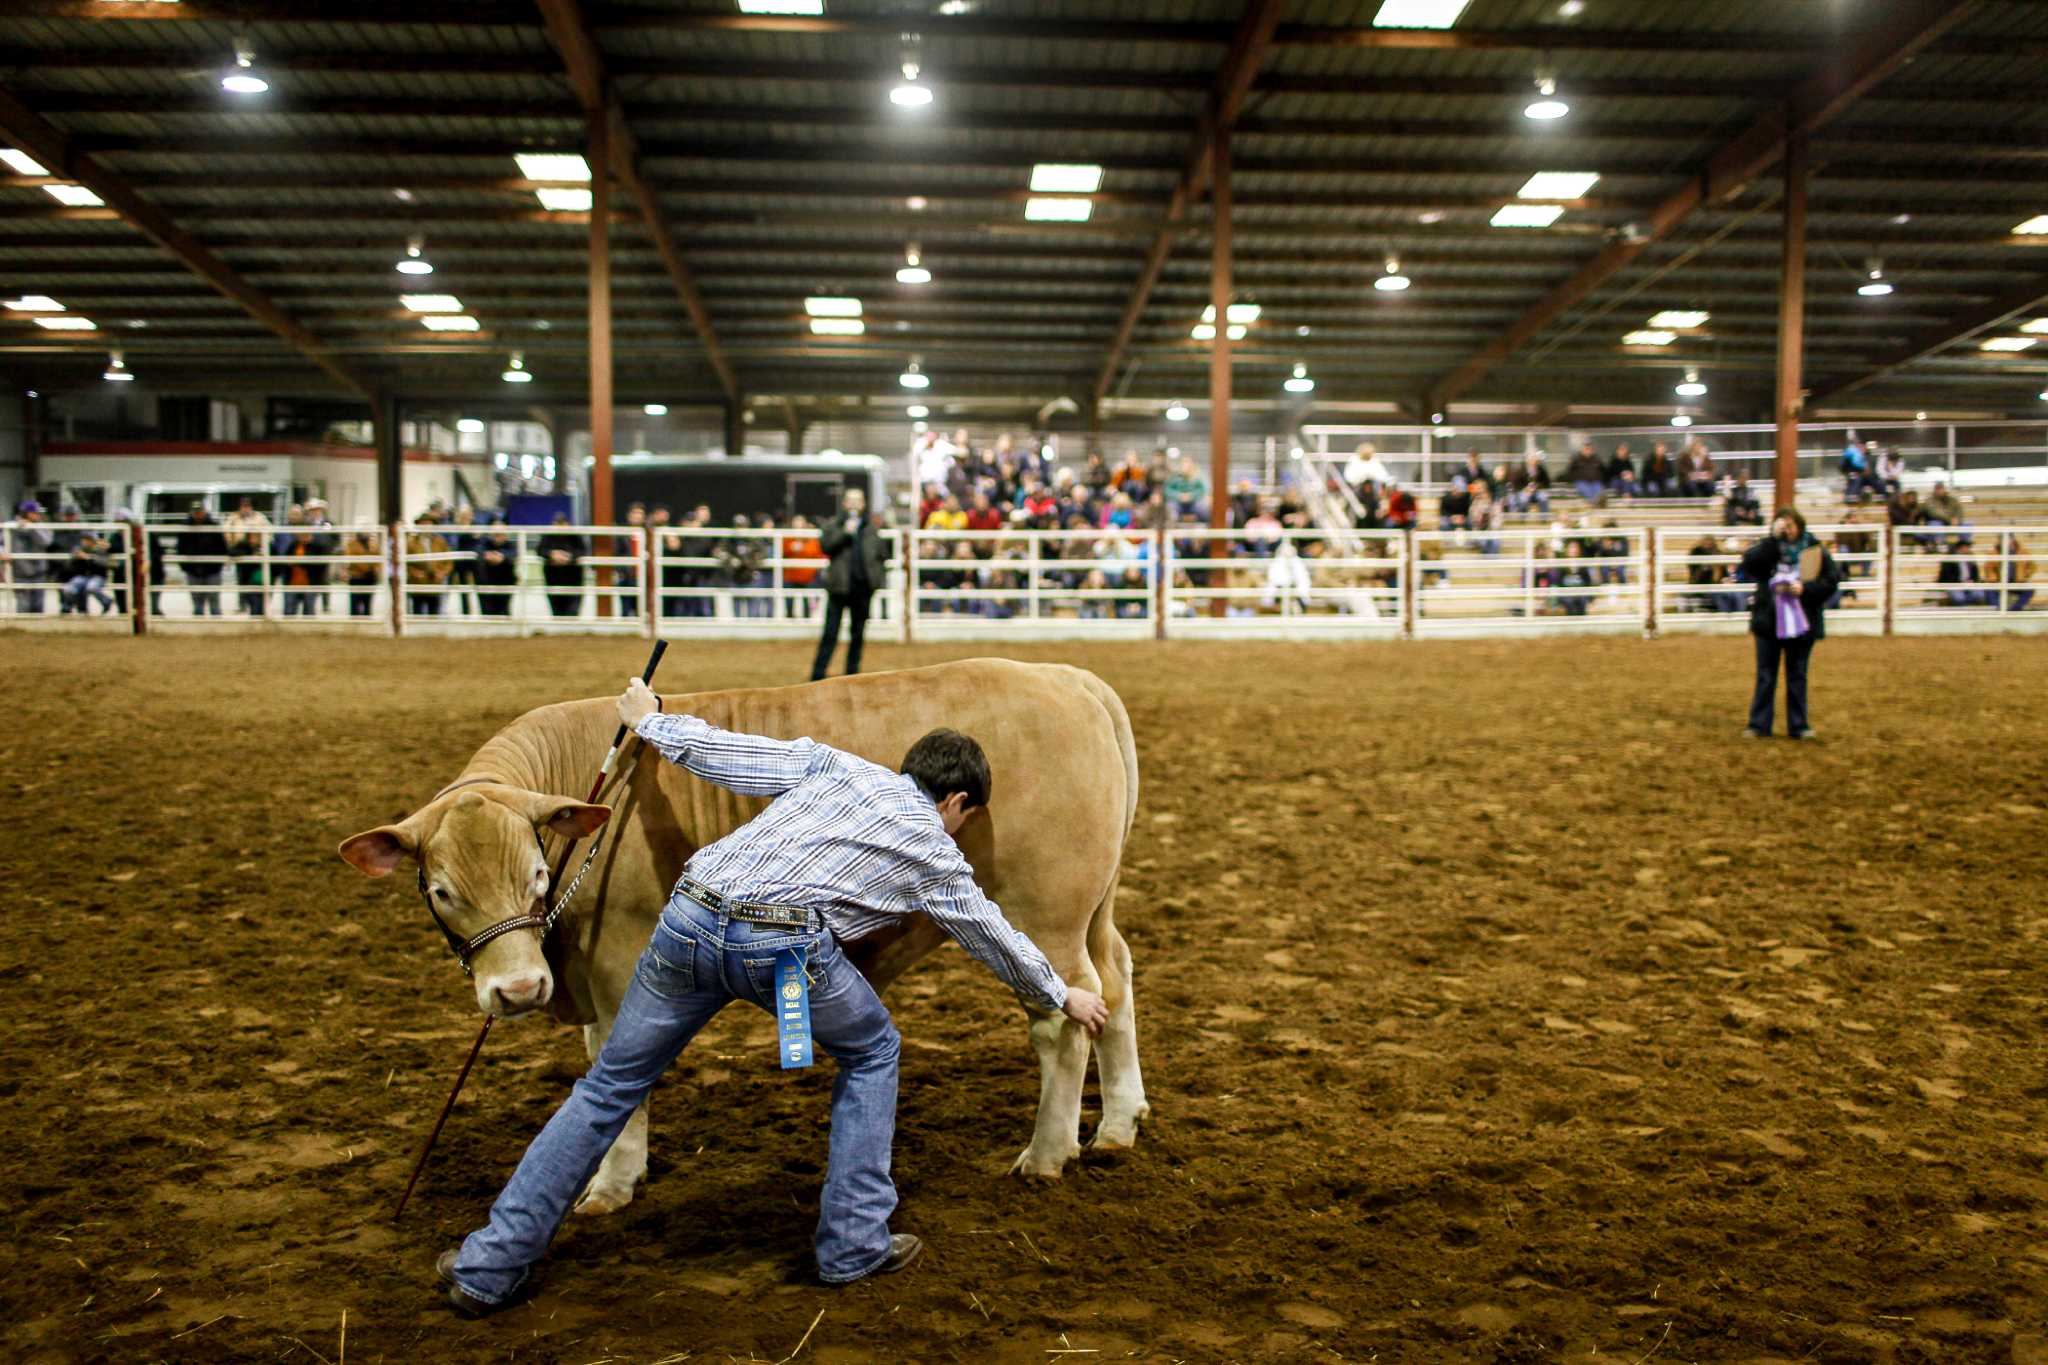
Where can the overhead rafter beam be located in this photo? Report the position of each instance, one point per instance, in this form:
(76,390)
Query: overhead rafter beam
(2025,297)
(34,135)
(1227,95)
(569,31)
(1906,28)
(626,19)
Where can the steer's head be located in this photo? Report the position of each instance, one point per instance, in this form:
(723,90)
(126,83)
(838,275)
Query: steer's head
(481,859)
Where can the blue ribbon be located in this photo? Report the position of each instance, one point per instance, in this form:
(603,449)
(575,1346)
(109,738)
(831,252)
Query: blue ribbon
(792,1009)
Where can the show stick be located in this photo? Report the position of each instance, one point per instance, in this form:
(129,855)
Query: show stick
(611,755)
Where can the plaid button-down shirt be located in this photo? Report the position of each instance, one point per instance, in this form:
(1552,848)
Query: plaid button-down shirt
(848,838)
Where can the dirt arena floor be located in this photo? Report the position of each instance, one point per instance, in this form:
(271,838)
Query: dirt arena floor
(1497,1005)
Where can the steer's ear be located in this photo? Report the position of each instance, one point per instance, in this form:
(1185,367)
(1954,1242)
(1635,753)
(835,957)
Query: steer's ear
(378,852)
(558,814)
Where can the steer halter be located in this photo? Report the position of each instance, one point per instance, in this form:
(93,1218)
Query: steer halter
(467,948)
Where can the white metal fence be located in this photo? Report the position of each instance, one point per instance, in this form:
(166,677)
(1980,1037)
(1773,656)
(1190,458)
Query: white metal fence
(1698,591)
(1187,583)
(1291,583)
(295,577)
(1531,581)
(520,580)
(78,574)
(766,583)
(1960,574)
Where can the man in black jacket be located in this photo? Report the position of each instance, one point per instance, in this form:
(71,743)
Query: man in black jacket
(1786,616)
(860,565)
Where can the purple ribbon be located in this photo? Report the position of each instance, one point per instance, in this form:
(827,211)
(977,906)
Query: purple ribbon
(1791,615)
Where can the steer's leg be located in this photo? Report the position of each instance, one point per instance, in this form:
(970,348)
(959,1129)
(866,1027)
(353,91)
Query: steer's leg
(1062,1050)
(625,1165)
(1116,1051)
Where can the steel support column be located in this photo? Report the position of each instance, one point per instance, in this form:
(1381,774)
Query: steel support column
(384,423)
(600,322)
(1791,320)
(1219,352)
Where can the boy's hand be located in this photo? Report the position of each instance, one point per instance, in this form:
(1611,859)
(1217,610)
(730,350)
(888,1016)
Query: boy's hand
(637,702)
(1087,1009)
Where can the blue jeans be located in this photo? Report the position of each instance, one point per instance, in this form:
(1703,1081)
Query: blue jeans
(697,961)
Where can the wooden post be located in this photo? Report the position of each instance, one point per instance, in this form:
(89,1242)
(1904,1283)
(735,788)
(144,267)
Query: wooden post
(1791,319)
(138,576)
(601,513)
(1219,357)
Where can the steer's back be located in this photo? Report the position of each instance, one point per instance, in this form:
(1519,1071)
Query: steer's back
(1063,791)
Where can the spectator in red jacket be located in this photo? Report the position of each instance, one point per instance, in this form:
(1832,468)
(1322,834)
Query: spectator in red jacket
(1397,507)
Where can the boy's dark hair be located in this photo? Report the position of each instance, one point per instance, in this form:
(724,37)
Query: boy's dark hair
(946,761)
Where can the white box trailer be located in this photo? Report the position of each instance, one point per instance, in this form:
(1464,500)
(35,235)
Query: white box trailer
(159,480)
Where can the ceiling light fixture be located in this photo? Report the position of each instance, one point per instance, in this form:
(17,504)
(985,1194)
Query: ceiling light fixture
(1056,177)
(655,409)
(1680,319)
(914,377)
(917,410)
(34,303)
(414,262)
(1419,13)
(912,93)
(912,271)
(1526,215)
(917,203)
(67,322)
(2033,227)
(516,371)
(74,196)
(117,372)
(1876,286)
(1058,210)
(431,303)
(1299,382)
(1649,337)
(470,426)
(832,306)
(564,200)
(1692,387)
(450,322)
(242,78)
(1549,106)
(1393,282)
(1176,411)
(838,327)
(1236,312)
(22,162)
(1681,420)
(1558,185)
(2008,344)
(552,165)
(782,6)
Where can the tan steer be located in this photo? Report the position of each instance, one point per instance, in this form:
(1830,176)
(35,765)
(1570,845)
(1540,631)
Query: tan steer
(1046,850)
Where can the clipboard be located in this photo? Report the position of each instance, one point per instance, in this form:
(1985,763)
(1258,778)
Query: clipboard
(1809,563)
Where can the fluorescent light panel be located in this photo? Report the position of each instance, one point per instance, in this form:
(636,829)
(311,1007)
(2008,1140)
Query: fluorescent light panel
(74,196)
(1526,215)
(35,303)
(1058,210)
(1651,337)
(67,323)
(838,327)
(2033,227)
(1683,319)
(2008,344)
(1052,177)
(431,303)
(564,201)
(782,6)
(1419,13)
(1558,185)
(1236,312)
(22,162)
(450,322)
(2039,326)
(552,165)
(831,306)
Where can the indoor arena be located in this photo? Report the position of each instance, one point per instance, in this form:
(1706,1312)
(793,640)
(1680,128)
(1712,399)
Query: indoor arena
(784,681)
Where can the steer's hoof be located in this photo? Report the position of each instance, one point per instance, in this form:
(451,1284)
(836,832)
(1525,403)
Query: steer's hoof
(1030,1162)
(1114,1137)
(596,1202)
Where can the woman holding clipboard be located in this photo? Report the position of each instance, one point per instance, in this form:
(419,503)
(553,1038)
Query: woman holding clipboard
(1795,579)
